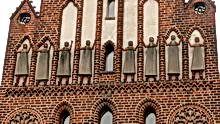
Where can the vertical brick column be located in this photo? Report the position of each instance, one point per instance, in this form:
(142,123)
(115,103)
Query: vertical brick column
(55,59)
(98,41)
(162,61)
(32,68)
(77,42)
(118,55)
(140,50)
(185,60)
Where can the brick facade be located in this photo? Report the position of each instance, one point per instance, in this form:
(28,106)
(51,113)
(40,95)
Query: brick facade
(127,101)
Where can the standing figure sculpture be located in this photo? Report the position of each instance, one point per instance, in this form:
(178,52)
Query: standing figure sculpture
(64,66)
(151,61)
(42,74)
(22,65)
(129,62)
(85,63)
(173,59)
(198,60)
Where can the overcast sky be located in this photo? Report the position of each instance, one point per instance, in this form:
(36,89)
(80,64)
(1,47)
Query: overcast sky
(9,6)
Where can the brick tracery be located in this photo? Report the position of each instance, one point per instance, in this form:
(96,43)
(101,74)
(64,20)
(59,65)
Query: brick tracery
(24,116)
(191,113)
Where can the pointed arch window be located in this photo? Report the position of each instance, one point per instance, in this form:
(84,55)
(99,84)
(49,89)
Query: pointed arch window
(65,117)
(150,116)
(109,58)
(106,116)
(111,9)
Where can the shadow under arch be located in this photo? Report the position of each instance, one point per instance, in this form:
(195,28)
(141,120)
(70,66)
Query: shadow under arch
(98,108)
(58,111)
(148,104)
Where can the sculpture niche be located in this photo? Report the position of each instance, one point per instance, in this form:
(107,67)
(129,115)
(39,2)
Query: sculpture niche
(22,65)
(173,59)
(198,60)
(85,63)
(151,61)
(64,66)
(42,74)
(129,62)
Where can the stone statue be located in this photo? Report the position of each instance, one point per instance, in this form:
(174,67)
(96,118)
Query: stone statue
(22,65)
(173,59)
(151,60)
(64,66)
(43,64)
(129,62)
(198,60)
(85,63)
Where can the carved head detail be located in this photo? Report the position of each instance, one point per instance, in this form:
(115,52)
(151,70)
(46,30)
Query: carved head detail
(173,37)
(45,45)
(130,43)
(25,46)
(151,39)
(197,40)
(66,44)
(88,42)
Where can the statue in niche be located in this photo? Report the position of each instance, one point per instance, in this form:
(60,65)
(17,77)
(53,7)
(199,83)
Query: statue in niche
(43,64)
(173,59)
(85,64)
(22,65)
(64,66)
(198,61)
(129,62)
(151,61)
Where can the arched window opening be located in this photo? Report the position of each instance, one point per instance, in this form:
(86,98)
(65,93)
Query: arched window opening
(109,58)
(65,117)
(106,116)
(150,116)
(111,9)
(68,26)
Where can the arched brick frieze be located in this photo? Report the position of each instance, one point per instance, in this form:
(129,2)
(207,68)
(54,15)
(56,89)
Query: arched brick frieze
(44,40)
(144,106)
(190,113)
(58,111)
(27,115)
(23,38)
(100,106)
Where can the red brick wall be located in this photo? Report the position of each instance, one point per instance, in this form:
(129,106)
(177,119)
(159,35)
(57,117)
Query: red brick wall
(127,101)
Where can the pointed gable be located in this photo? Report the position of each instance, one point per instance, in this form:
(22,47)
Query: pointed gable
(25,6)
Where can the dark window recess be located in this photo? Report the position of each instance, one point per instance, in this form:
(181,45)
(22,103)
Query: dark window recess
(200,7)
(111,10)
(24,18)
(65,117)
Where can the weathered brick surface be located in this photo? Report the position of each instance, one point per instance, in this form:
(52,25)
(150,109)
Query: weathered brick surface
(127,101)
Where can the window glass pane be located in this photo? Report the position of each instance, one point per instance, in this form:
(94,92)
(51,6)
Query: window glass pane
(66,120)
(109,61)
(111,8)
(150,119)
(107,118)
